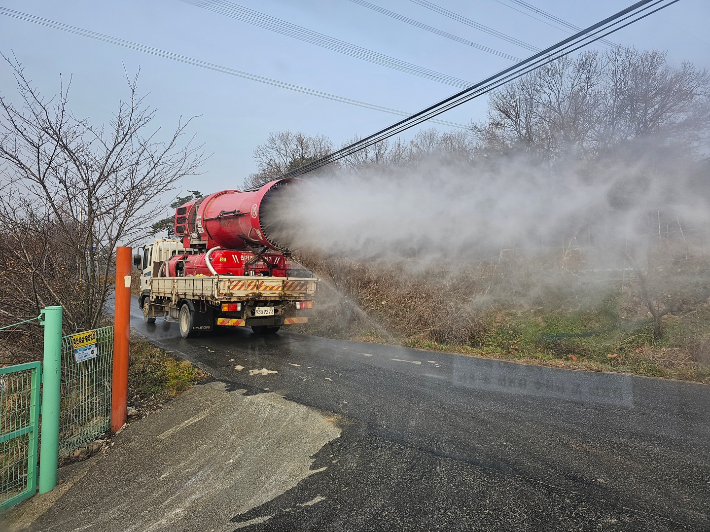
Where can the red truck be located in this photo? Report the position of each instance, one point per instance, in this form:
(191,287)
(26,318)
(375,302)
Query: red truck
(225,268)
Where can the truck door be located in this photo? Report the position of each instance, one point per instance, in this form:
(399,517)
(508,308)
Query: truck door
(147,268)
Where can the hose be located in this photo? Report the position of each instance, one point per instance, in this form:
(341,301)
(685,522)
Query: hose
(208,262)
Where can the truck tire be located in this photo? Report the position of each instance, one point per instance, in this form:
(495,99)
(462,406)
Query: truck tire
(146,319)
(186,321)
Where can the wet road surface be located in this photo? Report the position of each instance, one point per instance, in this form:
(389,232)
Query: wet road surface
(435,441)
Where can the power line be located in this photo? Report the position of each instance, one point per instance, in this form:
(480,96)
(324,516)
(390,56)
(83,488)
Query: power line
(545,14)
(533,17)
(626,17)
(431,29)
(474,24)
(262,20)
(203,64)
(548,16)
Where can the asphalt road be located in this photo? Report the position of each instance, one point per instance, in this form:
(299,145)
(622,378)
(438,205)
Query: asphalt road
(435,441)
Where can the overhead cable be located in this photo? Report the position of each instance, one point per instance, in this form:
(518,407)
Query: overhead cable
(203,64)
(544,14)
(626,17)
(431,29)
(474,24)
(568,27)
(262,20)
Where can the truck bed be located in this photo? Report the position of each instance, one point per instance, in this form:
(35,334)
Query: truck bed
(220,288)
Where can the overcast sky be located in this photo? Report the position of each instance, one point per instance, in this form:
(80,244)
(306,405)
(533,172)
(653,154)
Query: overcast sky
(237,114)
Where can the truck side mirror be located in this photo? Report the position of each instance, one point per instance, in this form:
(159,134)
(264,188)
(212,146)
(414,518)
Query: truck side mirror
(137,260)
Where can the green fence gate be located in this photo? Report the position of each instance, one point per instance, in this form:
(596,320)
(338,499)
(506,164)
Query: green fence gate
(85,413)
(19,431)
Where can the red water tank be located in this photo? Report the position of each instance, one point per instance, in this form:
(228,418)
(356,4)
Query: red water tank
(228,262)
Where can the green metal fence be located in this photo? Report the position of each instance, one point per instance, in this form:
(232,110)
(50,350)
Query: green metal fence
(19,431)
(85,412)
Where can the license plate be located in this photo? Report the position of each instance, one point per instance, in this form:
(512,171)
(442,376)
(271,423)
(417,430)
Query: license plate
(264,311)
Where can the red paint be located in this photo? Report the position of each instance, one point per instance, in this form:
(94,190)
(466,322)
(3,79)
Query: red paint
(229,262)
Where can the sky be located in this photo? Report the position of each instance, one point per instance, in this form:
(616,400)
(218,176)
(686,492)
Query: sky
(235,115)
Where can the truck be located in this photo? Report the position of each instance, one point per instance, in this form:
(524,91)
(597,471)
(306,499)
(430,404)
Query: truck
(225,267)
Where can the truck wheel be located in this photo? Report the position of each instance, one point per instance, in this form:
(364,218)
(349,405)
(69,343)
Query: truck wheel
(186,320)
(146,319)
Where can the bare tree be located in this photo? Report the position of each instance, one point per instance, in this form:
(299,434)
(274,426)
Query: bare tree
(547,110)
(285,151)
(645,96)
(595,101)
(378,153)
(72,190)
(673,282)
(430,142)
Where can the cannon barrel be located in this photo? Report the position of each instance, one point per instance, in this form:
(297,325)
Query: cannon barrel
(231,219)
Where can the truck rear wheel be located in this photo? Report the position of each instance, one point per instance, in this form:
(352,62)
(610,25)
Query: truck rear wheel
(146,319)
(186,320)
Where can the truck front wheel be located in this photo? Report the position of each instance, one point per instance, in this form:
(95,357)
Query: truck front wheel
(186,320)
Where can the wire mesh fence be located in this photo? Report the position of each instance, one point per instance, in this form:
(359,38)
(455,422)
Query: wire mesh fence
(85,412)
(19,430)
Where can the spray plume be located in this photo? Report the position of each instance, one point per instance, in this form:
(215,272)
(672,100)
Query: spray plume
(443,209)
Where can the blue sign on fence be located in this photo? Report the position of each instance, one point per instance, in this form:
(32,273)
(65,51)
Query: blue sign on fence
(84,345)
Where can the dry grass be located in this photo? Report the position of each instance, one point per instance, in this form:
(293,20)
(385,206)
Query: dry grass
(22,344)
(155,376)
(533,312)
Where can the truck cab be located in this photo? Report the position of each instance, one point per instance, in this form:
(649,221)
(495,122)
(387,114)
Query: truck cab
(150,261)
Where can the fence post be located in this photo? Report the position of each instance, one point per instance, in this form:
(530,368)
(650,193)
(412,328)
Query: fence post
(51,383)
(121,333)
